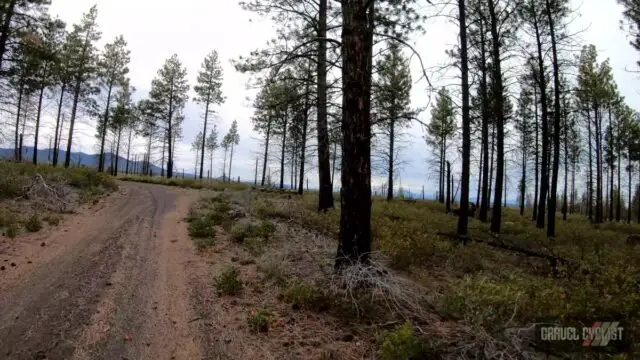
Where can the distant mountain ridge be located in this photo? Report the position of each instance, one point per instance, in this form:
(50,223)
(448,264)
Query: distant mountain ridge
(45,156)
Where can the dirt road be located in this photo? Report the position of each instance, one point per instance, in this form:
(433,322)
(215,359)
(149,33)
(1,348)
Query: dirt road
(112,282)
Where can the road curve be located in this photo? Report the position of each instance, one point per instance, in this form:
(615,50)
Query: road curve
(112,282)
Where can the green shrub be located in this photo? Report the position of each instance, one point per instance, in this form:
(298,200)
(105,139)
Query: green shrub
(258,320)
(33,224)
(205,243)
(201,228)
(52,220)
(401,344)
(12,230)
(303,295)
(229,283)
(7,218)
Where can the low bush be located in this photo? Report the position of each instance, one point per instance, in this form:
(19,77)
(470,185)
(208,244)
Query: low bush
(303,295)
(33,224)
(259,320)
(228,282)
(201,228)
(401,344)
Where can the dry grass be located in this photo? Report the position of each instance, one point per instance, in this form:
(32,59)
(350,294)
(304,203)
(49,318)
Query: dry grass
(32,195)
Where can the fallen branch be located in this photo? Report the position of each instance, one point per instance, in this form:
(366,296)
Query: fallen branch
(51,197)
(552,258)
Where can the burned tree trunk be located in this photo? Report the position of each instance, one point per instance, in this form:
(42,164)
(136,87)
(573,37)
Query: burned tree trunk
(355,215)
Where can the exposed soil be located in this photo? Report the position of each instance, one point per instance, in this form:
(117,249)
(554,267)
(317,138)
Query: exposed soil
(118,280)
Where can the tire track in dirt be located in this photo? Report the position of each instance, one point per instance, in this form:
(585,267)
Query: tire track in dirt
(43,311)
(113,283)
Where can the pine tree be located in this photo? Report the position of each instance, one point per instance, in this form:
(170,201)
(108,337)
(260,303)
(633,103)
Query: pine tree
(169,95)
(391,98)
(82,66)
(196,146)
(441,131)
(113,67)
(120,119)
(524,127)
(209,92)
(211,146)
(233,140)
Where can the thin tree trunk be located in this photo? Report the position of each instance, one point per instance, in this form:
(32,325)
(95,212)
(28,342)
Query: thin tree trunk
(619,197)
(484,206)
(284,139)
(544,176)
(58,131)
(390,165)
(16,154)
(105,126)
(537,160)
(496,219)
(466,126)
(266,150)
(204,135)
(126,171)
(551,226)
(325,194)
(303,146)
(37,134)
(448,189)
(479,176)
(231,161)
(74,109)
(115,169)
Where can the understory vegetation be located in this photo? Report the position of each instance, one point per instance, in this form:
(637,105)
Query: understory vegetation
(185,183)
(31,195)
(425,295)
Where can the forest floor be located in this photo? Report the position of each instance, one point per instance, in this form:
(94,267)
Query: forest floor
(159,272)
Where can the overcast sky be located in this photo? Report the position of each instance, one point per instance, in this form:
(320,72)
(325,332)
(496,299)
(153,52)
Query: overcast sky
(156,29)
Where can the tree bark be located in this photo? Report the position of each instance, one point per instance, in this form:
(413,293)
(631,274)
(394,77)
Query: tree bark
(484,205)
(37,134)
(551,226)
(16,152)
(355,213)
(496,218)
(58,131)
(303,146)
(537,160)
(325,193)
(105,124)
(466,126)
(266,150)
(204,135)
(390,165)
(6,25)
(544,175)
(284,139)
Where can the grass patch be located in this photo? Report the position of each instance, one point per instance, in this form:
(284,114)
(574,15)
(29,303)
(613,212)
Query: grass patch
(244,230)
(228,282)
(15,177)
(483,286)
